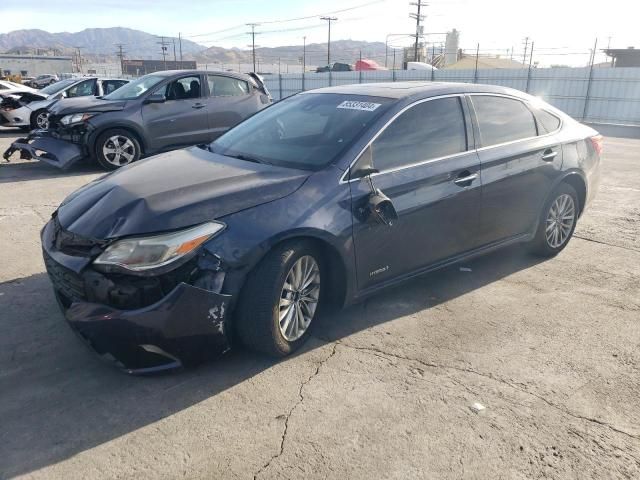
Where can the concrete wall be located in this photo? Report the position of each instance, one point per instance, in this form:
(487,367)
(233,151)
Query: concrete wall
(34,65)
(607,95)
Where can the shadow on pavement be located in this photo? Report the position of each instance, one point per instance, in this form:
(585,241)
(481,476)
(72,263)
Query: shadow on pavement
(35,170)
(57,399)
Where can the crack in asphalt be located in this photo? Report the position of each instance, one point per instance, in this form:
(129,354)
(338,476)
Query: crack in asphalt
(555,406)
(296,405)
(605,243)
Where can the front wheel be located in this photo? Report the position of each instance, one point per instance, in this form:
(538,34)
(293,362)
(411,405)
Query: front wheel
(117,148)
(557,221)
(280,300)
(40,119)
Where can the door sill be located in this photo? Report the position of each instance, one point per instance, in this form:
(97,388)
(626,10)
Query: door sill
(525,237)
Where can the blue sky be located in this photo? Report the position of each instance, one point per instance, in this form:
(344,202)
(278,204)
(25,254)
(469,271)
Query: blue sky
(557,26)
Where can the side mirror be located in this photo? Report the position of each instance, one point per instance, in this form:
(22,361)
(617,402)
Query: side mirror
(381,209)
(364,165)
(155,98)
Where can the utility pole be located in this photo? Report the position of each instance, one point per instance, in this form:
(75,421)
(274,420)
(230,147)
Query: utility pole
(79,58)
(175,60)
(120,53)
(304,54)
(163,44)
(253,41)
(180,42)
(526,45)
(418,18)
(329,20)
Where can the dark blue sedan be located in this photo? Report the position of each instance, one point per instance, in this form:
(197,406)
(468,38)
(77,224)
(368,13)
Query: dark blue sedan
(320,199)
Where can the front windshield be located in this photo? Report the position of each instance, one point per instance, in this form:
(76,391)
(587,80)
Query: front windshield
(58,86)
(306,131)
(136,88)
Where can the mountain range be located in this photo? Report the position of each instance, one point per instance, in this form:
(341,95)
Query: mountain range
(99,45)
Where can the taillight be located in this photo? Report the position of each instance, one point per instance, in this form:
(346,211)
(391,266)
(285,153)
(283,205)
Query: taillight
(598,143)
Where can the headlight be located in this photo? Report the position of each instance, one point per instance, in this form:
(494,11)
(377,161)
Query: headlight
(146,253)
(76,118)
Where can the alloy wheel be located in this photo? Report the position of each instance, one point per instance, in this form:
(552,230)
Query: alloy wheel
(560,220)
(119,150)
(42,120)
(299,298)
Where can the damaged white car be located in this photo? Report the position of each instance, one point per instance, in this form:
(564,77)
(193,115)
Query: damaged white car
(28,109)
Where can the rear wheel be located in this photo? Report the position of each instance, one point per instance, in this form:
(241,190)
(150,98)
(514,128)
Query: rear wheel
(557,221)
(40,119)
(280,300)
(117,148)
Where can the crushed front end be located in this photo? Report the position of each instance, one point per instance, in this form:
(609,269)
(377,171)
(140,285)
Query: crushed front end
(60,145)
(145,323)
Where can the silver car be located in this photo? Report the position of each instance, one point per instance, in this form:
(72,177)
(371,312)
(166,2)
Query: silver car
(28,110)
(44,80)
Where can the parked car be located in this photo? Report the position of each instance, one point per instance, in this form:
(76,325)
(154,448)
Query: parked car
(368,65)
(158,112)
(324,198)
(29,110)
(8,87)
(44,80)
(335,67)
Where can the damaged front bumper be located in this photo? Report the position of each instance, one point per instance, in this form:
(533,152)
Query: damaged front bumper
(40,145)
(184,327)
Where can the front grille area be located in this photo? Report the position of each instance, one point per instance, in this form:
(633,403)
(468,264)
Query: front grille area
(65,281)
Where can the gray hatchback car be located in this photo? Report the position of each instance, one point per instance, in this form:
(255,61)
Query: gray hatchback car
(158,112)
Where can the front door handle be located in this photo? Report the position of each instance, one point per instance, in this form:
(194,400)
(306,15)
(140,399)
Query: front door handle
(549,155)
(197,105)
(465,178)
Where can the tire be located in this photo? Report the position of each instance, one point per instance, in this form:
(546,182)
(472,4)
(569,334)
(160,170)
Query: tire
(261,303)
(39,119)
(111,156)
(52,82)
(552,237)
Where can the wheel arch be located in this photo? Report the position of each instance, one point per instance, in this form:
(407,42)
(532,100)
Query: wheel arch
(332,257)
(579,184)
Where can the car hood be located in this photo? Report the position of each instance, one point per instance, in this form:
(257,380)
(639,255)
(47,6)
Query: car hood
(173,190)
(65,106)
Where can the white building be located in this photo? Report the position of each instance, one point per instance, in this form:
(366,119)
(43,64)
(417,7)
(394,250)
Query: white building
(33,65)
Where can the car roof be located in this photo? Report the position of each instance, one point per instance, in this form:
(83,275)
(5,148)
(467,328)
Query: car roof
(170,73)
(418,89)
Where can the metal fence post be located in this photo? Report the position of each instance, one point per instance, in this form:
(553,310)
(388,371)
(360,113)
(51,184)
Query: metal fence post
(588,94)
(280,86)
(330,84)
(303,81)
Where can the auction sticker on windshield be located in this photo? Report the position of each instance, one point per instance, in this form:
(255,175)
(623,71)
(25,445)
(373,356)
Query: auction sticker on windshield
(355,105)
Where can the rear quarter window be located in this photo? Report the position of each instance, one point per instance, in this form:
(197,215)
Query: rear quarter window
(547,122)
(503,119)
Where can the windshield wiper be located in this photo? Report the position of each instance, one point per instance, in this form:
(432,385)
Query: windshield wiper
(248,158)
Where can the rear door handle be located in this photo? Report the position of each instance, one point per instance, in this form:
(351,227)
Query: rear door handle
(197,105)
(549,155)
(465,179)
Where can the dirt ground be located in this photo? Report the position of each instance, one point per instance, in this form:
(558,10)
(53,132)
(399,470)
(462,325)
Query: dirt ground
(383,390)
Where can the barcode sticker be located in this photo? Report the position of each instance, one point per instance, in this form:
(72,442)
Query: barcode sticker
(355,105)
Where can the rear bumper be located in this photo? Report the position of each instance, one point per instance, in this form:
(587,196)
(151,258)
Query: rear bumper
(39,146)
(13,118)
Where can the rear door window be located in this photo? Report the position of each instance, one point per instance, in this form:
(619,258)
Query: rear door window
(221,86)
(429,130)
(109,86)
(182,88)
(502,119)
(82,89)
